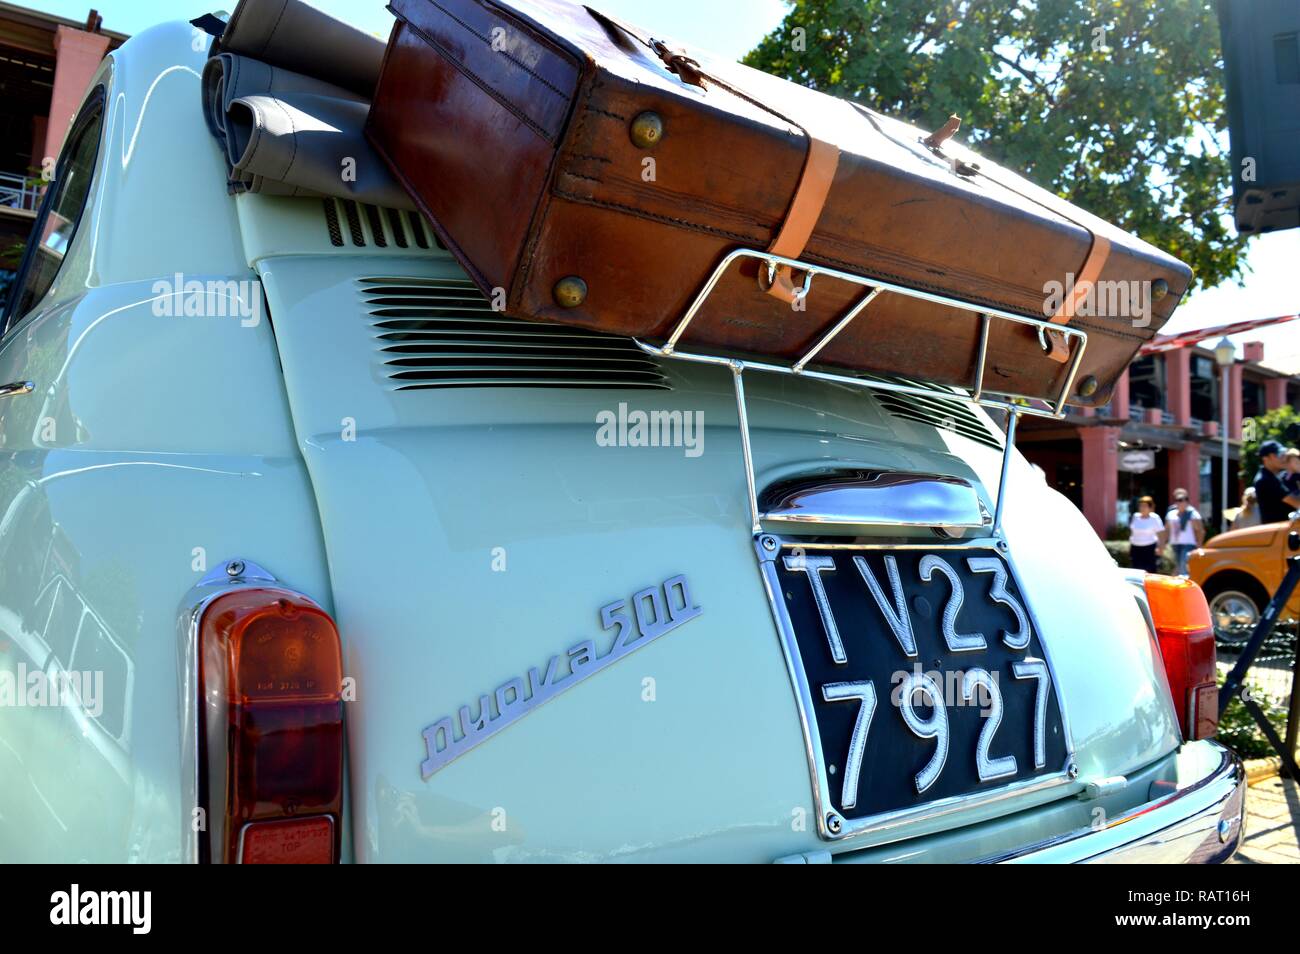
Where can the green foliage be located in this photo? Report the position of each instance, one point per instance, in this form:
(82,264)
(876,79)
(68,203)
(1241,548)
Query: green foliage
(1117,531)
(1118,549)
(1240,732)
(1271,425)
(1116,106)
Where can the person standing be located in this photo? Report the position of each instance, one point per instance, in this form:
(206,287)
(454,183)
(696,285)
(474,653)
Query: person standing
(1248,515)
(1186,530)
(1291,477)
(1275,500)
(1146,536)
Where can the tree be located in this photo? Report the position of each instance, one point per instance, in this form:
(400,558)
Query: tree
(1280,424)
(1116,105)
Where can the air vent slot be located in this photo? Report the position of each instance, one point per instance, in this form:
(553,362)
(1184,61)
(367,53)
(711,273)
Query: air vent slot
(332,222)
(442,333)
(942,410)
(370,226)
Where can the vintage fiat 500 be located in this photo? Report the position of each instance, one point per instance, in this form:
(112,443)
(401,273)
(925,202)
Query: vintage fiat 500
(298,534)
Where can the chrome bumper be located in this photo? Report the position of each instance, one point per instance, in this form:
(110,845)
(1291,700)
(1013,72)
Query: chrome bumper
(1202,823)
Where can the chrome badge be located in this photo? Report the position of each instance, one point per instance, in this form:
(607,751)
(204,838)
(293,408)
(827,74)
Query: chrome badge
(651,613)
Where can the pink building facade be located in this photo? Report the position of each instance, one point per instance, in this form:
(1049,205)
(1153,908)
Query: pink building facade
(1160,432)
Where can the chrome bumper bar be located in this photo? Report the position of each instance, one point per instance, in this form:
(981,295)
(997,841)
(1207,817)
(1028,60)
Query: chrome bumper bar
(1200,824)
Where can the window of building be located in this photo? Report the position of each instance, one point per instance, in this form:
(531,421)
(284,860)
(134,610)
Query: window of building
(1146,382)
(1252,398)
(1205,388)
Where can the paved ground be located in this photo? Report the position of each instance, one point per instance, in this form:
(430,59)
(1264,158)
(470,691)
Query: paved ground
(1272,824)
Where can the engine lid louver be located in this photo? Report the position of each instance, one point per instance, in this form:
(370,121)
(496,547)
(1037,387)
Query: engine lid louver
(942,411)
(370,226)
(442,333)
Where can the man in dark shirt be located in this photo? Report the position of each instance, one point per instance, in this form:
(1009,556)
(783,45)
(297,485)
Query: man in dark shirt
(1273,496)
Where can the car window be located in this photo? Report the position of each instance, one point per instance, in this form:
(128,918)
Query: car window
(61,210)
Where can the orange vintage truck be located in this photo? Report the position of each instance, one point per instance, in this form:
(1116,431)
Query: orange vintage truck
(1240,570)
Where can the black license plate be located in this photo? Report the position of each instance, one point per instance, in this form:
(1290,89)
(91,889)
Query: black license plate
(926,676)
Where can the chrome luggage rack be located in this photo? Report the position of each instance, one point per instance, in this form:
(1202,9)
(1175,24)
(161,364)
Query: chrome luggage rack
(978,394)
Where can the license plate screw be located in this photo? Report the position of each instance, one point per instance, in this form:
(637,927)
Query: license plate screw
(834,824)
(768,544)
(1002,546)
(1072,771)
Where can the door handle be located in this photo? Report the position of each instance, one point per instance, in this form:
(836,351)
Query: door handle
(15,388)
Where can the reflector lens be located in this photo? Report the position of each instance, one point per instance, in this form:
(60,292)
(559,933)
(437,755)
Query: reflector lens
(300,841)
(1185,632)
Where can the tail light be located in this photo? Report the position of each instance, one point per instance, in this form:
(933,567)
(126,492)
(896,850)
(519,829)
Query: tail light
(1185,632)
(270,670)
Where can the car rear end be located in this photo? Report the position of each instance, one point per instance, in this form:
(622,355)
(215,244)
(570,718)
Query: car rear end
(585,605)
(568,642)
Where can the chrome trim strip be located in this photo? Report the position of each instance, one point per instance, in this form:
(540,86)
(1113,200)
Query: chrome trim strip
(742,414)
(832,826)
(876,498)
(1008,442)
(839,326)
(978,391)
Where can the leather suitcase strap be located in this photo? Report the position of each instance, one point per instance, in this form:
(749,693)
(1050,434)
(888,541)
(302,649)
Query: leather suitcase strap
(815,180)
(1089,271)
(809,193)
(1098,252)
(805,209)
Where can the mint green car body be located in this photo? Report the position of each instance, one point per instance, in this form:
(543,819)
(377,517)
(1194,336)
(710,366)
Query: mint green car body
(459,536)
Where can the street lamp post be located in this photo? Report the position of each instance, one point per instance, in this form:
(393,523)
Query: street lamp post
(1225,353)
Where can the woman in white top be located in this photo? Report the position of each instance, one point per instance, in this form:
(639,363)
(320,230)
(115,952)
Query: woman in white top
(1146,536)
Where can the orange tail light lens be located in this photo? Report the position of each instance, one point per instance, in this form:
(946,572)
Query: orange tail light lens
(1185,632)
(271,673)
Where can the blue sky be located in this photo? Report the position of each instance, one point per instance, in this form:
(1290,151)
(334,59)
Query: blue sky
(732,27)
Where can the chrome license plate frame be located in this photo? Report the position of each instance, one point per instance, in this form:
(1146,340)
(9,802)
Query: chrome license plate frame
(832,824)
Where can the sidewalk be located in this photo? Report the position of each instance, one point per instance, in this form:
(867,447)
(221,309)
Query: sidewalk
(1272,824)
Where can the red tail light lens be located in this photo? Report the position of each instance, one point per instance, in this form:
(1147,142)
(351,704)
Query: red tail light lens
(271,673)
(1185,632)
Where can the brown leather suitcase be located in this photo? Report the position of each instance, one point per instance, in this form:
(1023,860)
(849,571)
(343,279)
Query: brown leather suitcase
(597,176)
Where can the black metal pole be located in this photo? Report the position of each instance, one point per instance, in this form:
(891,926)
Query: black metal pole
(1232,684)
(1293,713)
